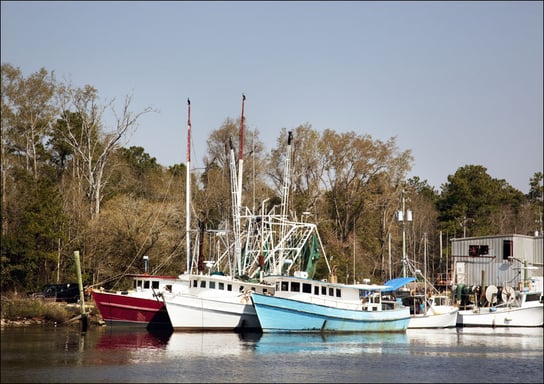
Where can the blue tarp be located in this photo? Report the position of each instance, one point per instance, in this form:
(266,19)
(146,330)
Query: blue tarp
(395,284)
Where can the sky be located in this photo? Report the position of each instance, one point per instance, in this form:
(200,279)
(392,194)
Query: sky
(456,83)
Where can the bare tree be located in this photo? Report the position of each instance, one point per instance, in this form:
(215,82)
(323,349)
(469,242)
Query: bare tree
(82,130)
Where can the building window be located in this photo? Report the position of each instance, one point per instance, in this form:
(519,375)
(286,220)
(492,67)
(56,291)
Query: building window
(478,250)
(507,249)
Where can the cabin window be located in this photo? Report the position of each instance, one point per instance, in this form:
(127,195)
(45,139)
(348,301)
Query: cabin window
(155,284)
(222,286)
(195,284)
(241,289)
(532,297)
(168,287)
(203,284)
(316,290)
(324,291)
(331,291)
(212,284)
(265,291)
(307,288)
(338,292)
(139,284)
(229,287)
(295,286)
(507,249)
(284,286)
(146,284)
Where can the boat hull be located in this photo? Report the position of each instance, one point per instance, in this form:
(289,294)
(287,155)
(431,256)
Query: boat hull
(446,319)
(277,314)
(191,313)
(129,311)
(502,317)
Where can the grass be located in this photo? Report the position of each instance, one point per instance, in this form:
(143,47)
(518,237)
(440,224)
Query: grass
(17,309)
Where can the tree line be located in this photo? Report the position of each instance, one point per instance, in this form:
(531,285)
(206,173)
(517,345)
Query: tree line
(68,184)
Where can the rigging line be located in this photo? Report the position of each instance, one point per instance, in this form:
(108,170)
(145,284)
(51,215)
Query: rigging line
(161,207)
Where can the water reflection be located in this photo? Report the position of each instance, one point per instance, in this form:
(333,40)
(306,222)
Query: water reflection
(330,343)
(211,343)
(113,354)
(119,338)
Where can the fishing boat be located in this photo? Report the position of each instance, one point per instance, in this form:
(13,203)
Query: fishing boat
(506,307)
(262,243)
(141,306)
(306,305)
(215,302)
(429,308)
(216,298)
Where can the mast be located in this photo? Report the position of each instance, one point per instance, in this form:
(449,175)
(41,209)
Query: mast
(285,196)
(235,212)
(188,189)
(241,152)
(425,269)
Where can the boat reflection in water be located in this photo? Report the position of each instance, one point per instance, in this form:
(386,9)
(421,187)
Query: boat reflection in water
(314,343)
(482,343)
(123,338)
(233,344)
(211,343)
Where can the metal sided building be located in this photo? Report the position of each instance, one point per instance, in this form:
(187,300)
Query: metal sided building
(501,260)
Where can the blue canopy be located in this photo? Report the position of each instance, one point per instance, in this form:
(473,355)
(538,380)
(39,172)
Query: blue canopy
(394,284)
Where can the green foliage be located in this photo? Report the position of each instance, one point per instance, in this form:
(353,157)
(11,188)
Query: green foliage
(37,225)
(63,168)
(470,200)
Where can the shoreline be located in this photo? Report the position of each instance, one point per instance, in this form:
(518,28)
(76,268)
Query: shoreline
(94,318)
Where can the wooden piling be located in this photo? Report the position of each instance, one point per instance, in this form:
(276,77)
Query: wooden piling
(84,321)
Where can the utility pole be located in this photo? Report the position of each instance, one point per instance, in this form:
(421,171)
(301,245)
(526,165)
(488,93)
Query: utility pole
(404,216)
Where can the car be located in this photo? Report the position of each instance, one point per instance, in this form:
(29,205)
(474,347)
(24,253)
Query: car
(68,292)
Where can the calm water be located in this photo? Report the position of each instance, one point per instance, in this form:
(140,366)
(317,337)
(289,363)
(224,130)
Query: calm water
(36,354)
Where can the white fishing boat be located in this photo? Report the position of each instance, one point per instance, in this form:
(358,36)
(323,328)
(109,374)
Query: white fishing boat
(429,308)
(510,308)
(214,303)
(216,299)
(435,312)
(306,305)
